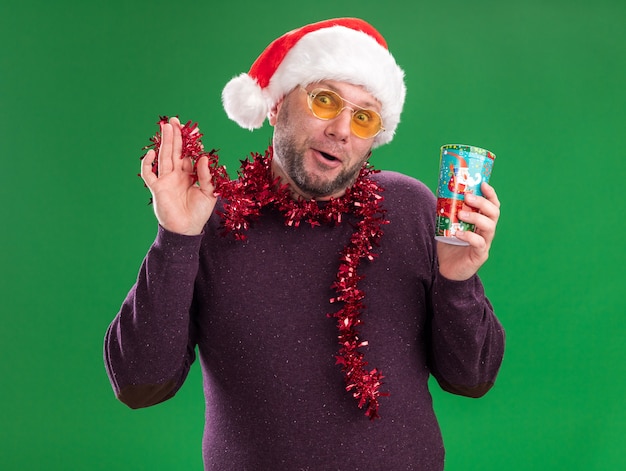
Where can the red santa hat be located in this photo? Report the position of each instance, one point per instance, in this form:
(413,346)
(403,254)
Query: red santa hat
(343,49)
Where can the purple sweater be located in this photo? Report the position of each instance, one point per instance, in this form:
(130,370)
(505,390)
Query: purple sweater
(256,312)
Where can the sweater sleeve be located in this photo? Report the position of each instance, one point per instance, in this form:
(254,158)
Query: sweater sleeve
(149,346)
(467,339)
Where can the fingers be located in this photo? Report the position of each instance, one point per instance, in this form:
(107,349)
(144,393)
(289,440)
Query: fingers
(478,241)
(147,162)
(485,225)
(177,144)
(485,215)
(204,174)
(165,150)
(488,204)
(171,147)
(490,194)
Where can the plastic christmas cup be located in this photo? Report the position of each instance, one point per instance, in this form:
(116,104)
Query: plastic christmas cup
(462,170)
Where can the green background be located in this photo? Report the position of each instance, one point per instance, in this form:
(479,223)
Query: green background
(540,83)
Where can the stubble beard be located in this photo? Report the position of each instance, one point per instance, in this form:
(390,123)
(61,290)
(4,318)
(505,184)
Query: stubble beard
(291,159)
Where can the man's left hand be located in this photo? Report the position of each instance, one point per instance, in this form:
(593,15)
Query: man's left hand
(458,262)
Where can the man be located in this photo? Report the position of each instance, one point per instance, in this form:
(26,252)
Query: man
(312,286)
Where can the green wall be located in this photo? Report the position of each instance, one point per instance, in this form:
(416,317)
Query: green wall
(541,83)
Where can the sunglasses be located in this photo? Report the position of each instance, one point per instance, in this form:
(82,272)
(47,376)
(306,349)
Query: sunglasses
(326,104)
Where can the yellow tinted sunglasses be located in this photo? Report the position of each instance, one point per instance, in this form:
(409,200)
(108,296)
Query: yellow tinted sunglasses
(326,104)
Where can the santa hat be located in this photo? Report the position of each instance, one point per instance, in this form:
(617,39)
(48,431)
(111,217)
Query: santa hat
(343,49)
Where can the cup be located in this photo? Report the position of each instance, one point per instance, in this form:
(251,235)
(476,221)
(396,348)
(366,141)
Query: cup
(462,169)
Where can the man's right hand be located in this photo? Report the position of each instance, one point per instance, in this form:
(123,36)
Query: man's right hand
(180,205)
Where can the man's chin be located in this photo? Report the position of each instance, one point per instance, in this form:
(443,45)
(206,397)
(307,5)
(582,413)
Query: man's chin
(318,189)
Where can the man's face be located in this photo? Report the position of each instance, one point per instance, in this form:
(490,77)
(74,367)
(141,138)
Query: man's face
(319,158)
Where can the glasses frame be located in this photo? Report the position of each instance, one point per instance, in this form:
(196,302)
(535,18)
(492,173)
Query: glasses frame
(310,96)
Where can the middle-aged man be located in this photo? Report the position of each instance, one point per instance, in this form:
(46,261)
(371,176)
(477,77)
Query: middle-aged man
(311,285)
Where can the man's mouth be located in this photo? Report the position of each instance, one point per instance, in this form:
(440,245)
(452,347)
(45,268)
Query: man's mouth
(329,157)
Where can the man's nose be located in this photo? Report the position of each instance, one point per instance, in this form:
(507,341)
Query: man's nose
(340,126)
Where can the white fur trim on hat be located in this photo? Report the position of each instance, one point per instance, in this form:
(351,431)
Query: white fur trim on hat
(244,102)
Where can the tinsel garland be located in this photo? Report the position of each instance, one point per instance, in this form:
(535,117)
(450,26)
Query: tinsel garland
(255,189)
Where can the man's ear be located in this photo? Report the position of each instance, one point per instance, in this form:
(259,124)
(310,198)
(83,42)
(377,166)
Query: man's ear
(272,116)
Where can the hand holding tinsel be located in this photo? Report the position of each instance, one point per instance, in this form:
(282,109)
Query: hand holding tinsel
(179,175)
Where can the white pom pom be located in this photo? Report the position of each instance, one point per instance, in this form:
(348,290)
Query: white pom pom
(244,102)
